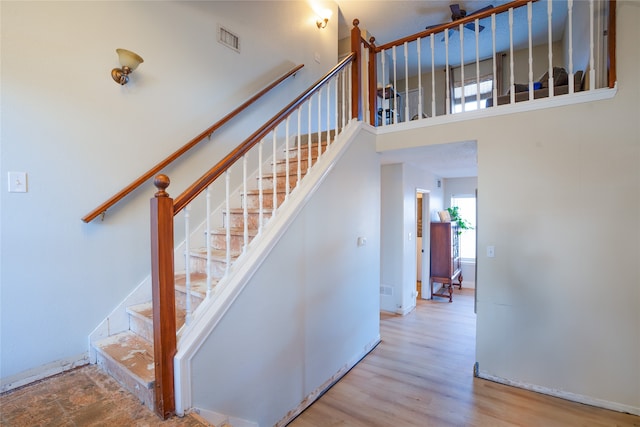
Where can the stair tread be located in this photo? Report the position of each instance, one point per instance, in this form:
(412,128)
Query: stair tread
(250,210)
(131,351)
(218,254)
(234,231)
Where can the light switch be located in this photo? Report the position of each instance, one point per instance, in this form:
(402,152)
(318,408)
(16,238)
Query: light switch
(17,182)
(362,241)
(491,251)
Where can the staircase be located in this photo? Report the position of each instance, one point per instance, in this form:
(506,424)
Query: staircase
(128,356)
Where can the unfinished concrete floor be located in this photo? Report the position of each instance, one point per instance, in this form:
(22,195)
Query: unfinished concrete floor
(82,397)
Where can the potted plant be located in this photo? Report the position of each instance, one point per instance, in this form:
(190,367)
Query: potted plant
(463,224)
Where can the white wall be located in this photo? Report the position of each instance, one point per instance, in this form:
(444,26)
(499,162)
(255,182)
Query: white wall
(398,232)
(549,182)
(311,308)
(81,137)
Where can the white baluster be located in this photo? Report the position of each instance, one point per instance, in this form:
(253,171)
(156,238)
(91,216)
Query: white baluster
(350,91)
(260,187)
(570,17)
(512,90)
(529,17)
(433,77)
(319,122)
(309,159)
(227,237)
(477,29)
(336,116)
(420,108)
(299,149)
(274,172)
(187,264)
(495,64)
(287,183)
(208,242)
(550,46)
(343,77)
(384,84)
(245,211)
(393,106)
(406,81)
(328,86)
(446,61)
(592,67)
(462,89)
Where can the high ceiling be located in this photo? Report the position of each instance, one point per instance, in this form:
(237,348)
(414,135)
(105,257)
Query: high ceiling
(389,20)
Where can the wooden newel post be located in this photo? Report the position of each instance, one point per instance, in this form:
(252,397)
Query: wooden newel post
(163,290)
(373,82)
(356,80)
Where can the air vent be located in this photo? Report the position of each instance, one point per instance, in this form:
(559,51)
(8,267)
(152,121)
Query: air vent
(228,39)
(386,290)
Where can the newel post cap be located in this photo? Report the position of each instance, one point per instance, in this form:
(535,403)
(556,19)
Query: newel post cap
(161,182)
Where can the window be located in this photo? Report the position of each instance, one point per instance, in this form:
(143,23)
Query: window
(467,209)
(470,90)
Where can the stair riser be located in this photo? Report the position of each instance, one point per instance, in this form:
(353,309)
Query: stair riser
(219,242)
(281,166)
(253,218)
(253,201)
(304,150)
(281,180)
(144,392)
(199,265)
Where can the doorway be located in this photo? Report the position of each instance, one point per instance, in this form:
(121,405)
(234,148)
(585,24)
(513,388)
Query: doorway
(423,238)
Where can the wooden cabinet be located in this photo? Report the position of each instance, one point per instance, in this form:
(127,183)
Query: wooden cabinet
(445,258)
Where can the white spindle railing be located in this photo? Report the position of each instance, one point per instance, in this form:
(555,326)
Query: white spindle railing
(187,264)
(518,20)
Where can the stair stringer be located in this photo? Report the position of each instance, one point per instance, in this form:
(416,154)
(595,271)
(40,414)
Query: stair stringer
(212,310)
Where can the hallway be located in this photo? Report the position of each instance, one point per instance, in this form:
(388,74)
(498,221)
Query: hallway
(421,374)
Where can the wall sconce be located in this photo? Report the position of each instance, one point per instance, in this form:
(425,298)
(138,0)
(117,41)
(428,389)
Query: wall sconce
(129,62)
(322,23)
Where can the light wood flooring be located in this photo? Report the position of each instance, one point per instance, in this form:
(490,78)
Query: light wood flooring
(421,374)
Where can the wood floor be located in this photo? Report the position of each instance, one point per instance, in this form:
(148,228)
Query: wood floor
(421,374)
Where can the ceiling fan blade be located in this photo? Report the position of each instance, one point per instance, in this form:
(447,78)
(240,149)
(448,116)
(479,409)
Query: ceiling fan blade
(484,9)
(472,27)
(456,12)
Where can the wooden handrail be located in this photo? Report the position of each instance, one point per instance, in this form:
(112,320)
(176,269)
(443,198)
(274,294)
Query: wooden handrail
(206,133)
(455,24)
(197,187)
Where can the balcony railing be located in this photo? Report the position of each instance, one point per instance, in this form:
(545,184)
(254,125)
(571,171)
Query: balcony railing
(520,51)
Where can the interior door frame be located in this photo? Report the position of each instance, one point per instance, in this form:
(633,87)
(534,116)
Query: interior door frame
(425,250)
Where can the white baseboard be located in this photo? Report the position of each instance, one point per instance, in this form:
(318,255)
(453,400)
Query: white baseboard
(218,419)
(314,395)
(36,374)
(587,400)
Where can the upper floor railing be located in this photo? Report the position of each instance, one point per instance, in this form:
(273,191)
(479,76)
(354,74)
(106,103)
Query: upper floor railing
(520,51)
(102,209)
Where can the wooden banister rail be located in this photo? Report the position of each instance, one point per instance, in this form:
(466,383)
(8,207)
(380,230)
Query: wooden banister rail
(197,187)
(206,133)
(455,24)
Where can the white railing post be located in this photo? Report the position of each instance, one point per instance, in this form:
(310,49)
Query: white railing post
(550,47)
(274,172)
(406,81)
(384,88)
(227,236)
(187,264)
(570,17)
(299,150)
(420,107)
(592,69)
(512,89)
(446,61)
(245,210)
(309,158)
(462,88)
(395,88)
(287,185)
(208,242)
(529,23)
(260,187)
(433,77)
(477,30)
(495,64)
